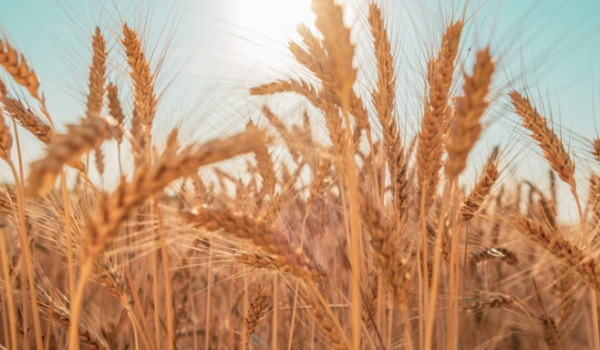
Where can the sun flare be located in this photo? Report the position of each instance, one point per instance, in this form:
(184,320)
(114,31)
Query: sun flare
(275,18)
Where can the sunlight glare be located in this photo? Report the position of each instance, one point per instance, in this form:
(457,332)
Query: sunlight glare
(276,19)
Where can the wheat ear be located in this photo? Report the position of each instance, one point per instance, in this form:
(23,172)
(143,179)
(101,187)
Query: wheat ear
(336,41)
(148,179)
(430,139)
(596,151)
(27,119)
(261,233)
(465,128)
(386,243)
(585,265)
(550,332)
(5,138)
(144,96)
(264,164)
(385,92)
(68,148)
(552,147)
(256,312)
(114,107)
(493,301)
(494,253)
(340,50)
(97,75)
(482,190)
(16,65)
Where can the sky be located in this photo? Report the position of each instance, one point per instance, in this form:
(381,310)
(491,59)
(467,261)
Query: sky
(223,44)
(216,49)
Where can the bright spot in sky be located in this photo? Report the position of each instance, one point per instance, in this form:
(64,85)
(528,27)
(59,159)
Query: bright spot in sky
(276,19)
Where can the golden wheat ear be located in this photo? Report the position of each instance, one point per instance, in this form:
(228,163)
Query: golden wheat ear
(256,312)
(264,163)
(263,234)
(16,65)
(68,148)
(494,253)
(114,107)
(584,264)
(149,179)
(488,302)
(465,127)
(388,249)
(5,138)
(551,145)
(337,44)
(97,75)
(596,151)
(384,94)
(433,124)
(480,193)
(144,96)
(28,119)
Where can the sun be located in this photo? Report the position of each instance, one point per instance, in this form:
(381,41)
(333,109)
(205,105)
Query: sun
(276,19)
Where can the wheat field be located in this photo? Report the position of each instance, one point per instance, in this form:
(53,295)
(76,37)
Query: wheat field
(339,229)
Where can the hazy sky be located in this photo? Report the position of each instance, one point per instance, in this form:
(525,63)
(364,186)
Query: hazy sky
(217,48)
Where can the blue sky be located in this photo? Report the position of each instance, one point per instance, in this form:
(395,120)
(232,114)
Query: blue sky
(218,48)
(213,37)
